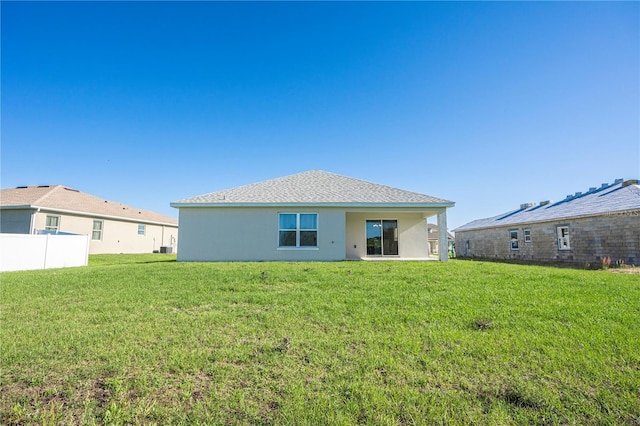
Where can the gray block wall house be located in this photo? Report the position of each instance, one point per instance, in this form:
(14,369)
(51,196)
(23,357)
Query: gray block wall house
(583,228)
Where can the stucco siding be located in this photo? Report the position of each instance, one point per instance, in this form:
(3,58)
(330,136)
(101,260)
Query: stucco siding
(251,234)
(117,236)
(412,234)
(15,221)
(616,236)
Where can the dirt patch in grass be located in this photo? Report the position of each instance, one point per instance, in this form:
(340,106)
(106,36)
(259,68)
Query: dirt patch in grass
(515,395)
(95,400)
(482,324)
(52,402)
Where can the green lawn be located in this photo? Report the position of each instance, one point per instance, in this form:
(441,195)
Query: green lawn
(144,339)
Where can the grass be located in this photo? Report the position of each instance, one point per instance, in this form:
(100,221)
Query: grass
(143,339)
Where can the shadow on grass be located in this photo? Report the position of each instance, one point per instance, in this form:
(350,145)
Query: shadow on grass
(593,266)
(129,259)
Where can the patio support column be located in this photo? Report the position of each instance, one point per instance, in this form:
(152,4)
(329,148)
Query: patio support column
(443,243)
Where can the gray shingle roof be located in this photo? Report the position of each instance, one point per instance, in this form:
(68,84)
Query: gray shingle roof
(608,199)
(59,197)
(313,187)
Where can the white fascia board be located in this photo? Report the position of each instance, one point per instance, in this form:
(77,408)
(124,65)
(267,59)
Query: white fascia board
(317,205)
(25,207)
(103,216)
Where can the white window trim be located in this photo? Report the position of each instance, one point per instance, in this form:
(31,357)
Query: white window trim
(96,230)
(301,248)
(144,229)
(517,240)
(568,237)
(52,228)
(524,234)
(298,230)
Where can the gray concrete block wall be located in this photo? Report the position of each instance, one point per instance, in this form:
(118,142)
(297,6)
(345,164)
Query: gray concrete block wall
(615,235)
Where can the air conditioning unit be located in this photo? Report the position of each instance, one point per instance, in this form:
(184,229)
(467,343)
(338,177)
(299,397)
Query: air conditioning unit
(166,249)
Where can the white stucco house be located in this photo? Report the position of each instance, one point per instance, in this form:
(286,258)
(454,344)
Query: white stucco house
(314,215)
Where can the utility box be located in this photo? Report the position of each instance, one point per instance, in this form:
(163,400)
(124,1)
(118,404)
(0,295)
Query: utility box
(166,249)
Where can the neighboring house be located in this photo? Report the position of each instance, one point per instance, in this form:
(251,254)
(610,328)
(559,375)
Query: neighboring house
(313,215)
(583,228)
(113,227)
(433,236)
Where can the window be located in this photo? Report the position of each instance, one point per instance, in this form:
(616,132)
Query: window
(97,230)
(563,238)
(382,237)
(298,230)
(52,223)
(513,235)
(527,235)
(141,229)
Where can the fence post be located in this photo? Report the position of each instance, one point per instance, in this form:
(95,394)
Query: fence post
(46,251)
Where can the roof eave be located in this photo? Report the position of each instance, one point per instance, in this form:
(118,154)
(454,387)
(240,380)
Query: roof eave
(102,216)
(20,207)
(446,204)
(555,219)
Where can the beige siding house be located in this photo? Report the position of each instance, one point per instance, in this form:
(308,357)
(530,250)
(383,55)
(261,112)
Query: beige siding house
(113,227)
(434,239)
(313,215)
(601,224)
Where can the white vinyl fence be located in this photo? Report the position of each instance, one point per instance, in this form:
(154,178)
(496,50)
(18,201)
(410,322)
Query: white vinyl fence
(20,252)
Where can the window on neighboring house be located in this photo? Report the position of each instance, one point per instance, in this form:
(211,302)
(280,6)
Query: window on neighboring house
(527,235)
(97,230)
(513,235)
(298,230)
(52,223)
(563,238)
(141,229)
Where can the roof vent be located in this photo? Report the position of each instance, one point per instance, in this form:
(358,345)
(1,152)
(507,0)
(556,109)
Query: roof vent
(22,187)
(618,181)
(593,188)
(43,186)
(526,205)
(629,182)
(569,197)
(544,203)
(604,185)
(578,194)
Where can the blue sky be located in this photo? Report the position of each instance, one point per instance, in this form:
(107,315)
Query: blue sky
(487,104)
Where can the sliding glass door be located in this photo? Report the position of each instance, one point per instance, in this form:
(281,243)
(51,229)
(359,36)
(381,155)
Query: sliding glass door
(382,237)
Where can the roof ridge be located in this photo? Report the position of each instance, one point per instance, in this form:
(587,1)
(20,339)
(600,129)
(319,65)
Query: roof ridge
(395,188)
(53,188)
(64,198)
(312,186)
(606,199)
